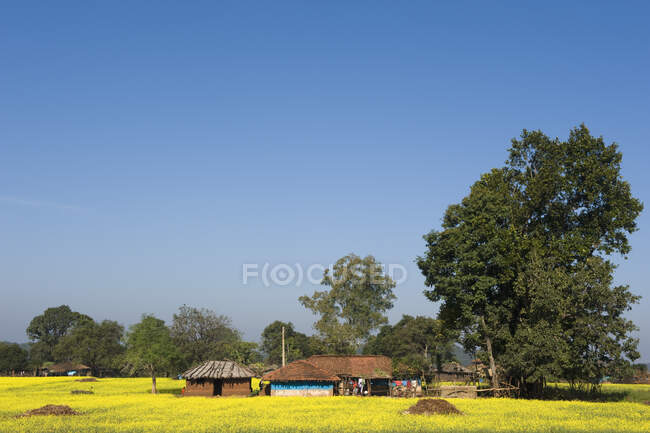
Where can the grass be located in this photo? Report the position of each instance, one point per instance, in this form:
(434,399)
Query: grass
(609,393)
(125,405)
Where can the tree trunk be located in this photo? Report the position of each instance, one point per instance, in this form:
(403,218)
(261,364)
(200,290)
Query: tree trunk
(488,344)
(153,383)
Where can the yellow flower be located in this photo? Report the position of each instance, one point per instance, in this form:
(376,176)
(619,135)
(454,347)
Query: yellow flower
(125,405)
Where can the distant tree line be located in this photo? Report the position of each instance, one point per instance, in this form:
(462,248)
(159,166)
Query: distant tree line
(195,335)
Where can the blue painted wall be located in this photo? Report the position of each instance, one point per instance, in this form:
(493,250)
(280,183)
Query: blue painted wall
(301,385)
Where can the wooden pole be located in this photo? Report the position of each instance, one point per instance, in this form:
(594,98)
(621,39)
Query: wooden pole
(284,358)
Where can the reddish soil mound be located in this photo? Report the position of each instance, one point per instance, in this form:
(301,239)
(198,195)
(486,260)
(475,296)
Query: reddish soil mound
(88,379)
(50,409)
(433,406)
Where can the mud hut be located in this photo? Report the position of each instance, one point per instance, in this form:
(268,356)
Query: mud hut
(66,369)
(301,378)
(224,378)
(375,370)
(454,372)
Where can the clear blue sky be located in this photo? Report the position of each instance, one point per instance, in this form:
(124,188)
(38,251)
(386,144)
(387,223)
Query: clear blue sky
(149,149)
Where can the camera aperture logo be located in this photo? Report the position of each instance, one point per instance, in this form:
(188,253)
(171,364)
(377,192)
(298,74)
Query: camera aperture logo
(283,274)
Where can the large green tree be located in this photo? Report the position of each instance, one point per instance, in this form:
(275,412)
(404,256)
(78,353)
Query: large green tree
(98,345)
(12,358)
(150,349)
(355,305)
(521,264)
(201,335)
(47,329)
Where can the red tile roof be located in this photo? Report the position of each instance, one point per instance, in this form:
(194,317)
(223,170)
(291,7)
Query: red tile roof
(366,366)
(300,371)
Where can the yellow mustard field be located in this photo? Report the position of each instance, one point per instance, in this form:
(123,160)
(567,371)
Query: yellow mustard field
(125,405)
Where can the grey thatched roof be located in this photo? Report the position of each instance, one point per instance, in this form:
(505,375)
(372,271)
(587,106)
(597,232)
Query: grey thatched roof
(219,370)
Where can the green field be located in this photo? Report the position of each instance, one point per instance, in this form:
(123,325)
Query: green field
(125,405)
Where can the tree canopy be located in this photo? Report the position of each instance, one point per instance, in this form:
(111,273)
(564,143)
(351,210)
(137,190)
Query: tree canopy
(520,265)
(150,349)
(421,343)
(47,329)
(297,344)
(200,335)
(12,357)
(98,345)
(355,305)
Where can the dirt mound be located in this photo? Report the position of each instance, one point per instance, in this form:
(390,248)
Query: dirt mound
(50,409)
(88,379)
(433,406)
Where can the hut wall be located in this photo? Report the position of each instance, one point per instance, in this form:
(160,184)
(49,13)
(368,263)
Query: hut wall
(453,377)
(457,392)
(302,389)
(200,387)
(236,387)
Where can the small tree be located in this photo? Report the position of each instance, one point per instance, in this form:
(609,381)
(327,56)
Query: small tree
(200,334)
(360,295)
(150,348)
(418,342)
(12,357)
(297,344)
(243,352)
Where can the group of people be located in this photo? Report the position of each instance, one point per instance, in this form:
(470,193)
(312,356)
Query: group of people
(358,386)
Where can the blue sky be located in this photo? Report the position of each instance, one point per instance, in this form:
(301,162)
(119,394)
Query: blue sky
(150,149)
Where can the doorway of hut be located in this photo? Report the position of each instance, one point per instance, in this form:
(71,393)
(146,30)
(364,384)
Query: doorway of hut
(218,387)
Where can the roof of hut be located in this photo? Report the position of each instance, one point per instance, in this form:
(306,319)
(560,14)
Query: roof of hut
(366,366)
(300,371)
(64,367)
(219,370)
(454,367)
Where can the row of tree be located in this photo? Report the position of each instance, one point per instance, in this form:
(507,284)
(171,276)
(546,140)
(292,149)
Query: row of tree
(60,335)
(195,335)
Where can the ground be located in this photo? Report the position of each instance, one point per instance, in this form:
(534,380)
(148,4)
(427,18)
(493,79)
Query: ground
(124,405)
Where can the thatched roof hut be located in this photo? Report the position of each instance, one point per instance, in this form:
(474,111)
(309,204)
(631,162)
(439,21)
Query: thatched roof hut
(67,368)
(301,378)
(219,370)
(218,378)
(454,372)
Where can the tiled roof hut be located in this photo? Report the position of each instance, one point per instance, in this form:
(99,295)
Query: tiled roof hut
(301,378)
(376,370)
